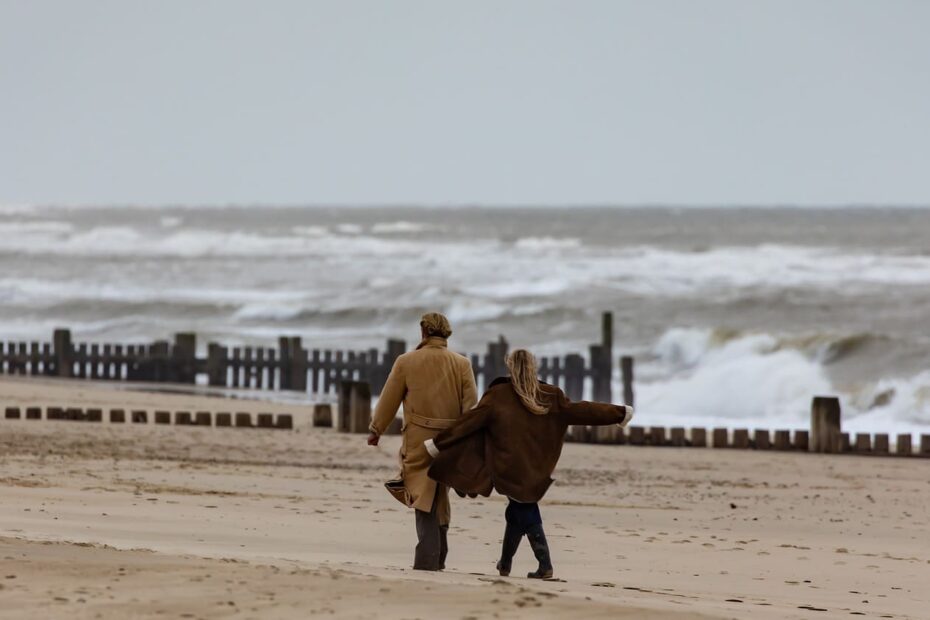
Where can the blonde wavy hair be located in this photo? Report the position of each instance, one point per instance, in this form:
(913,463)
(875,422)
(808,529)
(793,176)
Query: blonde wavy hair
(522,366)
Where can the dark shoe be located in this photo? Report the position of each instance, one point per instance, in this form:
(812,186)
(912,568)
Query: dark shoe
(540,574)
(537,538)
(502,570)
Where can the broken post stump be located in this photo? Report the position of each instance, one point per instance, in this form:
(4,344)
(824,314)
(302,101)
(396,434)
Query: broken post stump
(637,436)
(699,437)
(323,415)
(741,438)
(657,435)
(12,413)
(265,420)
(802,440)
(33,413)
(721,438)
(224,419)
(203,418)
(243,420)
(880,443)
(863,442)
(182,418)
(904,445)
(284,421)
(94,415)
(782,440)
(354,407)
(677,438)
(140,417)
(761,440)
(117,416)
(162,417)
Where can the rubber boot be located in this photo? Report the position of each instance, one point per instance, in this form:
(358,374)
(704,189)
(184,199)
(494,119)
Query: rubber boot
(512,536)
(537,538)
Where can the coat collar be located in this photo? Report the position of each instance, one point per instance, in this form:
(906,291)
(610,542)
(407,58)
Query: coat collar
(433,341)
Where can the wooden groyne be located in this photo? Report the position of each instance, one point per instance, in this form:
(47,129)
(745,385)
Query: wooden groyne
(824,436)
(289,366)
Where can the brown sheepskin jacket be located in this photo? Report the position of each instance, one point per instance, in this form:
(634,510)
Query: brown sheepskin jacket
(501,445)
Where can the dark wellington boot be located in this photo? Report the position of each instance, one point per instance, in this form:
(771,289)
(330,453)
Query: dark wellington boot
(512,536)
(537,538)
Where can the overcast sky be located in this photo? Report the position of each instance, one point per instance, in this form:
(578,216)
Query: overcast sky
(528,102)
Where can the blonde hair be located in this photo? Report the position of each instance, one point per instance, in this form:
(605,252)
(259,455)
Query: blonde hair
(522,366)
(436,324)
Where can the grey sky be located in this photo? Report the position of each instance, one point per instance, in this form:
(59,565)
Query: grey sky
(689,102)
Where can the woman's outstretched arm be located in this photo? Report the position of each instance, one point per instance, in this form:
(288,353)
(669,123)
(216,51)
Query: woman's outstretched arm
(594,414)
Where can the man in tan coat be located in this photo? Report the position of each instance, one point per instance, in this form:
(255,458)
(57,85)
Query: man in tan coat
(435,386)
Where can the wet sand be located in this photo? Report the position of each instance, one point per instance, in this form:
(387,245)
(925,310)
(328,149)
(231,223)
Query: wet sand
(286,524)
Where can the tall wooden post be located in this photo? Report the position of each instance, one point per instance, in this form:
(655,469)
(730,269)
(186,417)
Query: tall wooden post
(216,365)
(284,363)
(64,352)
(184,358)
(825,424)
(574,376)
(299,362)
(626,371)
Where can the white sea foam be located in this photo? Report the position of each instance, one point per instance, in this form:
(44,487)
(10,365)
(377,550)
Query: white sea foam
(547,243)
(753,381)
(401,227)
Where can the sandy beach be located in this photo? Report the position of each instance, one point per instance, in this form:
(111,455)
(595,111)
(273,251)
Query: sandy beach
(146,521)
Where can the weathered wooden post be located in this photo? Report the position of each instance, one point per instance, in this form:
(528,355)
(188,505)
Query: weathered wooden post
(183,360)
(721,438)
(740,438)
(626,371)
(284,363)
(699,437)
(64,352)
(782,440)
(354,407)
(904,445)
(678,436)
(603,383)
(802,440)
(825,425)
(881,443)
(600,374)
(216,365)
(574,376)
(761,440)
(299,362)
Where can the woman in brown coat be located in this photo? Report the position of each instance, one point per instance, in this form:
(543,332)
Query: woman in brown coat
(511,441)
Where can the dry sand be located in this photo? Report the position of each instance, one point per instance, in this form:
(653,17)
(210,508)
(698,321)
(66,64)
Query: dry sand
(139,521)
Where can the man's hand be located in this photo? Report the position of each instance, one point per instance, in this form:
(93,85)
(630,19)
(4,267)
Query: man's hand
(373,439)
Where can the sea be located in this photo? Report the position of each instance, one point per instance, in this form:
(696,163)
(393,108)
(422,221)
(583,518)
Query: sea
(735,316)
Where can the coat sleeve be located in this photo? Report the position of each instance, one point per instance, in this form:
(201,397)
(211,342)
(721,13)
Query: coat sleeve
(392,395)
(469,389)
(471,422)
(593,414)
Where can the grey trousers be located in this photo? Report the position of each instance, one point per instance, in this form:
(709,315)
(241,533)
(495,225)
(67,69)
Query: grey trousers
(432,545)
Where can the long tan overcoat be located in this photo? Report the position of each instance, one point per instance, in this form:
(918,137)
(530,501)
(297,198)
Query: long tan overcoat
(435,386)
